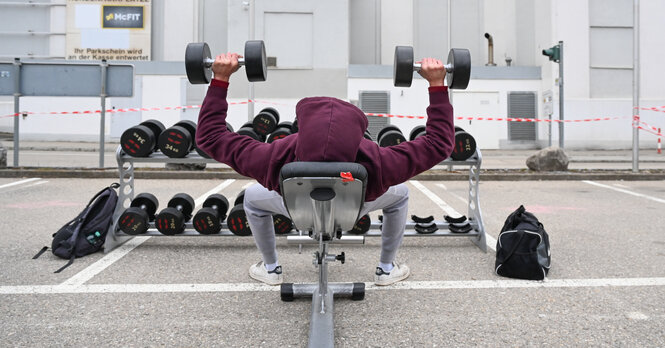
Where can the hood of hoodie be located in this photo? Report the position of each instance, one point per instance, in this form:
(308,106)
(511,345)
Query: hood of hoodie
(329,130)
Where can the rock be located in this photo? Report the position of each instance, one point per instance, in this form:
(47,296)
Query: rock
(549,159)
(185,166)
(3,156)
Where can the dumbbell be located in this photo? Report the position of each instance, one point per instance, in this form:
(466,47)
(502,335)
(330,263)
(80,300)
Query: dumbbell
(283,224)
(178,141)
(465,145)
(237,219)
(141,140)
(282,130)
(416,132)
(208,220)
(248,130)
(205,155)
(135,219)
(172,220)
(390,135)
(458,68)
(265,121)
(198,62)
(294,126)
(362,225)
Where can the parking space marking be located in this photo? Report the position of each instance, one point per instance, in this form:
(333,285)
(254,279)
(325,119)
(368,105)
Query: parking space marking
(655,199)
(452,194)
(19,182)
(489,240)
(405,285)
(217,189)
(115,255)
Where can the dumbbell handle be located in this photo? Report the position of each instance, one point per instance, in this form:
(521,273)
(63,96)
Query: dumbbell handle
(449,67)
(208,62)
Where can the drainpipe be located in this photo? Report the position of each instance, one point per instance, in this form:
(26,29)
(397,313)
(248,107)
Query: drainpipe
(490,50)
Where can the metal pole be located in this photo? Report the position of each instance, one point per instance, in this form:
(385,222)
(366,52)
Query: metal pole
(17,95)
(636,84)
(250,105)
(561,94)
(102,119)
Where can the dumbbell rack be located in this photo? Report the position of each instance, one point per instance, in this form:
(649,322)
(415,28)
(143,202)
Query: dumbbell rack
(115,237)
(474,216)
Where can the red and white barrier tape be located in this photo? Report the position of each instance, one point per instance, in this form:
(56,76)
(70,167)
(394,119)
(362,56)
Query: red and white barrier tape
(654,108)
(468,118)
(649,128)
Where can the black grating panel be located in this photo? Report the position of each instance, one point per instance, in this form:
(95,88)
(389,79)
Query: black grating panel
(376,102)
(522,105)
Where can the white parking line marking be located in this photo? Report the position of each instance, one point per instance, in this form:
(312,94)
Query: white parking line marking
(115,255)
(489,240)
(501,283)
(217,189)
(436,199)
(87,273)
(452,194)
(38,183)
(19,182)
(659,200)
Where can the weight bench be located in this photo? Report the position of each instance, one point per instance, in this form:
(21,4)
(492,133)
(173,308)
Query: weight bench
(323,199)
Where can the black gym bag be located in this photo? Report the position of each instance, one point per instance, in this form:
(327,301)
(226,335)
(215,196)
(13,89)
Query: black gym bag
(523,247)
(86,233)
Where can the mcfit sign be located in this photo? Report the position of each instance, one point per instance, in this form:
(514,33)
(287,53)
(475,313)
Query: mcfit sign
(122,17)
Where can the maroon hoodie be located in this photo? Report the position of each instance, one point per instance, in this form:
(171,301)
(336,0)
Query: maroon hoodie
(329,130)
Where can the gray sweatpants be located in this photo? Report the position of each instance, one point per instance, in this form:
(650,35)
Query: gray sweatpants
(260,204)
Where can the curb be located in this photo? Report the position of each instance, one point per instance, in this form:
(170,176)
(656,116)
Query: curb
(437,175)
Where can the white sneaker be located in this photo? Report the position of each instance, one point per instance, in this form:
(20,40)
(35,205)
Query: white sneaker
(398,273)
(260,273)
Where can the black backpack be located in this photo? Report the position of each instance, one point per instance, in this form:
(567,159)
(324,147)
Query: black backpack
(86,233)
(523,247)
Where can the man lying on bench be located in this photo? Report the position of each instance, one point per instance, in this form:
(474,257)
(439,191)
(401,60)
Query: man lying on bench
(329,130)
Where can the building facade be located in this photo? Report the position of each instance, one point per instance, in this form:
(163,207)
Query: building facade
(345,49)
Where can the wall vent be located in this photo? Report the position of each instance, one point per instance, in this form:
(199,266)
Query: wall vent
(522,105)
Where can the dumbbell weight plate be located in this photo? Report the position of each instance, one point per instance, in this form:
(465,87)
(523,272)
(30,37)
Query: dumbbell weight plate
(175,142)
(294,126)
(390,127)
(134,220)
(209,220)
(279,133)
(237,222)
(403,66)
(362,225)
(264,123)
(141,140)
(218,200)
(239,198)
(138,141)
(465,146)
(171,221)
(460,59)
(249,131)
(185,201)
(197,71)
(256,65)
(391,138)
(283,224)
(206,221)
(416,132)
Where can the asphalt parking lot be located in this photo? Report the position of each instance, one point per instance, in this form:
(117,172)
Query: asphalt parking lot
(605,288)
